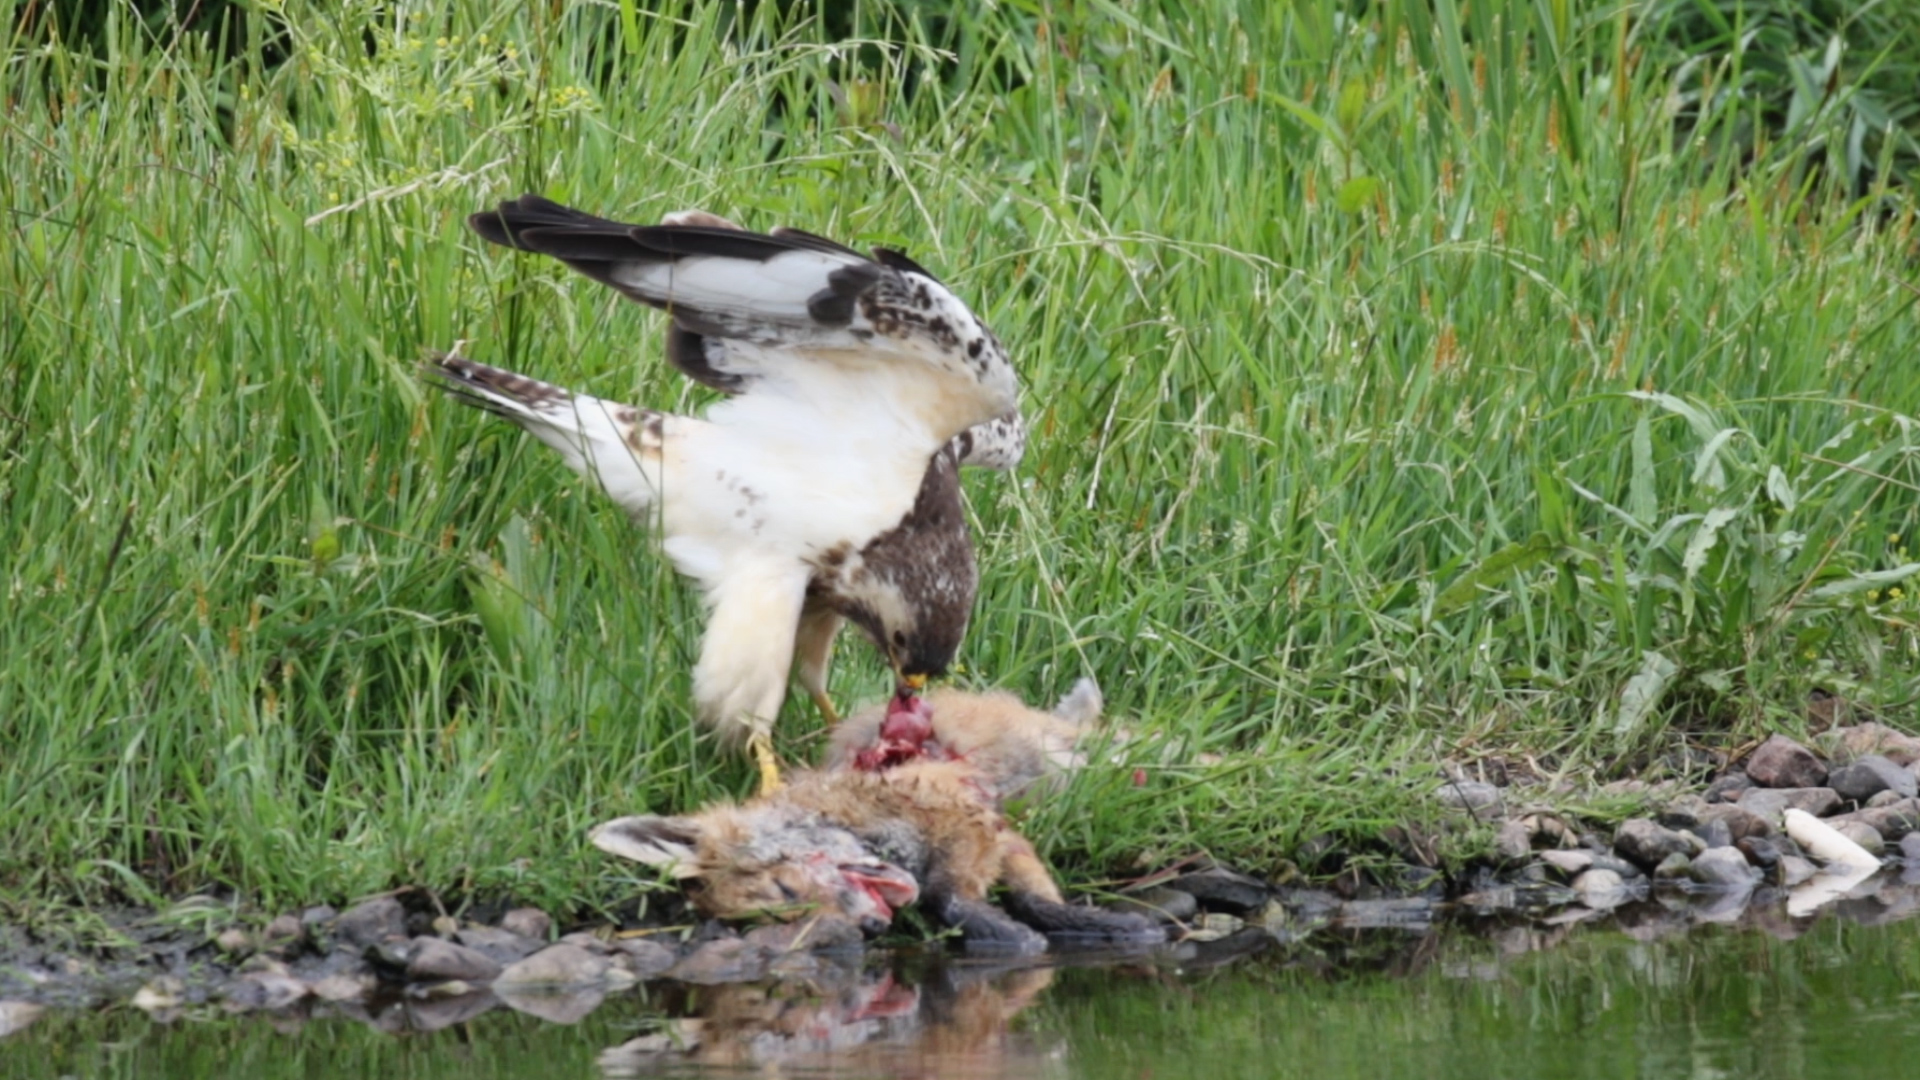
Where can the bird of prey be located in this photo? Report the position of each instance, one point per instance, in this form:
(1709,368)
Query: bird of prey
(824,488)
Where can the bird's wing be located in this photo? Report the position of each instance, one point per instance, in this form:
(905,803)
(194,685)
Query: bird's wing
(785,314)
(996,444)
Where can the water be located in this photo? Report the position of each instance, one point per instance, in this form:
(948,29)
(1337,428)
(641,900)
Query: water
(1629,998)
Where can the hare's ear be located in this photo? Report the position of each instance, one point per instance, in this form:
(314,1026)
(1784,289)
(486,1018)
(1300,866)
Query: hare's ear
(668,843)
(1082,704)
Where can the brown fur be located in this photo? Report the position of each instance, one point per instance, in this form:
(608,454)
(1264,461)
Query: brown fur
(930,824)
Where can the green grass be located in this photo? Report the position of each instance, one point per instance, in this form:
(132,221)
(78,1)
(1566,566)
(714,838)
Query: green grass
(1403,388)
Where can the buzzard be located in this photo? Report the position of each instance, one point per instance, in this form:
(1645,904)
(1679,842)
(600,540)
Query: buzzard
(824,488)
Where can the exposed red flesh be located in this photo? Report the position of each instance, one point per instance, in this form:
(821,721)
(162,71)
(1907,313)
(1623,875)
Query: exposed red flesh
(889,887)
(906,734)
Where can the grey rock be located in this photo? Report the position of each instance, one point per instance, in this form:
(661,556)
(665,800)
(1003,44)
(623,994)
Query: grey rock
(555,965)
(1772,803)
(436,959)
(1740,821)
(1514,842)
(1724,868)
(1870,775)
(1715,834)
(1859,740)
(1910,848)
(283,932)
(1794,870)
(1625,868)
(1676,865)
(317,917)
(347,986)
(1218,887)
(1469,795)
(723,961)
(371,922)
(555,1006)
(1881,798)
(394,952)
(1405,913)
(1647,843)
(1863,834)
(1728,787)
(1782,763)
(1158,903)
(528,922)
(645,958)
(1760,851)
(1570,863)
(1601,889)
(823,931)
(443,1010)
(265,990)
(17,1015)
(1683,812)
(234,941)
(501,946)
(588,940)
(1892,822)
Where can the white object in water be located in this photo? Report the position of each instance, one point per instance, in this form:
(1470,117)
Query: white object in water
(1847,863)
(1828,844)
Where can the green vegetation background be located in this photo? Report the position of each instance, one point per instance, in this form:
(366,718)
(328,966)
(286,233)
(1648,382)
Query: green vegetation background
(1409,380)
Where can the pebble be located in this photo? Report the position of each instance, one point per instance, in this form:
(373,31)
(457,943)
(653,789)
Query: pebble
(1514,842)
(1859,740)
(1910,848)
(1782,763)
(234,941)
(1794,870)
(1892,822)
(1647,843)
(1676,865)
(1601,889)
(1870,775)
(1727,788)
(284,931)
(265,990)
(371,922)
(1863,834)
(1771,804)
(1469,795)
(1739,820)
(1760,851)
(436,959)
(1723,868)
(164,992)
(15,1015)
(1715,834)
(645,957)
(555,965)
(350,986)
(553,1005)
(1570,863)
(502,946)
(1212,926)
(725,960)
(528,922)
(820,932)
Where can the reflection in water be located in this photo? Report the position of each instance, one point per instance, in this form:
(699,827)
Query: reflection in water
(953,1020)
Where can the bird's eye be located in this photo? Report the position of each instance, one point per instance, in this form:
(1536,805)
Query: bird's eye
(900,638)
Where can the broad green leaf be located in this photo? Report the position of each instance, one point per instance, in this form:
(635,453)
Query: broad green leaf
(1642,692)
(1872,579)
(1356,193)
(1642,501)
(1704,538)
(1499,566)
(1780,489)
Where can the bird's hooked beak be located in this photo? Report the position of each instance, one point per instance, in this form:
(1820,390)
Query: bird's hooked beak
(907,687)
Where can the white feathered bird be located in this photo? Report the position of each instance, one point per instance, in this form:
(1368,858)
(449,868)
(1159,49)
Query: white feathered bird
(824,488)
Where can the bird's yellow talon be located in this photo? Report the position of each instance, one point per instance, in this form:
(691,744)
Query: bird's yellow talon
(762,748)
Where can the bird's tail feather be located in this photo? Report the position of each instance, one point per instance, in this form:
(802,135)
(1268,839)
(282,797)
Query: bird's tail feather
(619,446)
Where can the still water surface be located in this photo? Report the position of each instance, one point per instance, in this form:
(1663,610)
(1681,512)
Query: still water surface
(1841,1000)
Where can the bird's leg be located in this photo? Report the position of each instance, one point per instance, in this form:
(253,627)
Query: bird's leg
(813,651)
(825,704)
(760,745)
